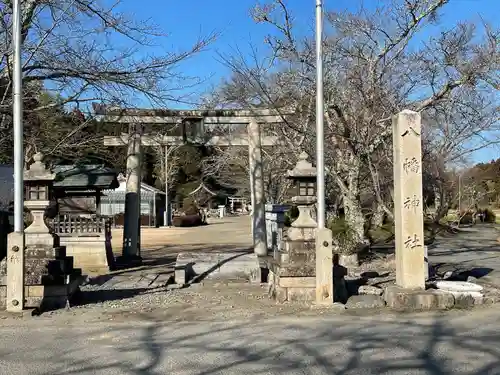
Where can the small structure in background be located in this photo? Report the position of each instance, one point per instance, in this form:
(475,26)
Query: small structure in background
(206,198)
(84,232)
(238,205)
(152,204)
(73,213)
(78,189)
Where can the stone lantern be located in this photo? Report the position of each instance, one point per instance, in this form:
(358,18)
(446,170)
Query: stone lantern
(37,183)
(49,276)
(292,275)
(304,178)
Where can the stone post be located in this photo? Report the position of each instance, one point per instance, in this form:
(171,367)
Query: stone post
(408,212)
(275,223)
(257,188)
(324,267)
(15,272)
(131,227)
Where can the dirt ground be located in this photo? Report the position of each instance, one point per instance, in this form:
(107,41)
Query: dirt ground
(229,230)
(123,296)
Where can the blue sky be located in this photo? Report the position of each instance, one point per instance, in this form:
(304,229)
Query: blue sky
(186,20)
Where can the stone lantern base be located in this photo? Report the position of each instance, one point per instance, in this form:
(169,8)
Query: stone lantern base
(49,278)
(292,272)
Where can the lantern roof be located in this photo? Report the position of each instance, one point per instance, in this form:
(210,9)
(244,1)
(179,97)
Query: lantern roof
(38,171)
(303,168)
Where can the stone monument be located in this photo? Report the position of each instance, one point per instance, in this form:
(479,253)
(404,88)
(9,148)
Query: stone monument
(292,271)
(49,276)
(408,211)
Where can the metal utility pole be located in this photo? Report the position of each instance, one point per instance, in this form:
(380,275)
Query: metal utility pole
(324,236)
(320,157)
(18,119)
(167,215)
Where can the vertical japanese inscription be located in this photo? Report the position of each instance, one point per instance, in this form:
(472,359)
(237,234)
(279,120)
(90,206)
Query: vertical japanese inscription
(411,165)
(408,213)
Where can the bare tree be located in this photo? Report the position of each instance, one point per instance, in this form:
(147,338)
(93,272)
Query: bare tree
(371,73)
(86,51)
(167,161)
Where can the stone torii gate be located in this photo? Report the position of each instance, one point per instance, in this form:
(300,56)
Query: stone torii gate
(137,119)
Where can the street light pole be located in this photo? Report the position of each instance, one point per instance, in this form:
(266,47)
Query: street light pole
(320,158)
(17,119)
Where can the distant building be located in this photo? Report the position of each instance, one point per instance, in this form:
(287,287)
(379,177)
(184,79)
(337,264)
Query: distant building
(152,203)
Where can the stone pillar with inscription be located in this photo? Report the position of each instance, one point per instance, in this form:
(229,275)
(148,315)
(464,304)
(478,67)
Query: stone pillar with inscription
(408,211)
(49,276)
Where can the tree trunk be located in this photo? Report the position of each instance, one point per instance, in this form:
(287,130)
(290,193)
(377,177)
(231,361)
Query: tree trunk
(440,204)
(354,238)
(377,219)
(356,221)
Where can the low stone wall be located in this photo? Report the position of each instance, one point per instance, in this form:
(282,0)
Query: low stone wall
(92,254)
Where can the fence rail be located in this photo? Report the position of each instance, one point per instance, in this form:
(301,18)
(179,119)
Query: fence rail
(74,224)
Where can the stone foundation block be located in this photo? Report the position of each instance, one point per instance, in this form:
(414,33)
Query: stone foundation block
(301,294)
(370,289)
(191,267)
(93,255)
(292,289)
(50,297)
(46,297)
(367,301)
(399,298)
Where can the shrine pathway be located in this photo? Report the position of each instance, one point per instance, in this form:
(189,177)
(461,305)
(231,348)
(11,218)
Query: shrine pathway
(476,247)
(160,247)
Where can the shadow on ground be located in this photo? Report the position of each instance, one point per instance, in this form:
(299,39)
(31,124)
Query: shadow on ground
(435,345)
(155,273)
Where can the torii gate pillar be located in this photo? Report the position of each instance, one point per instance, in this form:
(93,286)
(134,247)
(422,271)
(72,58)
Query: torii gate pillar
(257,188)
(131,252)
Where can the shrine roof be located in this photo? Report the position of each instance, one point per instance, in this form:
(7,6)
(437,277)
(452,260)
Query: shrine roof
(85,176)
